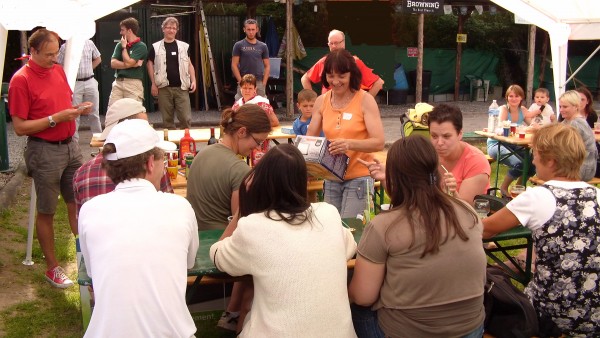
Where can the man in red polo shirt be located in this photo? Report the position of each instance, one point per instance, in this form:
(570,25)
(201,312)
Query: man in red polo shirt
(40,106)
(370,81)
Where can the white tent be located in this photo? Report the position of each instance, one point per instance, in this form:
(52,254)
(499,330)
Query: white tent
(73,20)
(564,21)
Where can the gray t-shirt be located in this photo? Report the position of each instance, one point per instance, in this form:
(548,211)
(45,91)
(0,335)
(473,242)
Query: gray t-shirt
(215,174)
(588,168)
(251,57)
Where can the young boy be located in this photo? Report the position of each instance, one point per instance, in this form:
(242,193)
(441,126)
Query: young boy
(306,101)
(541,98)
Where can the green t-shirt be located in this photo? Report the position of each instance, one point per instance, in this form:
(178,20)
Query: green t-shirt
(138,51)
(215,174)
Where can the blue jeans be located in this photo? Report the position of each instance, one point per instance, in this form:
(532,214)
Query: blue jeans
(349,197)
(366,324)
(477,333)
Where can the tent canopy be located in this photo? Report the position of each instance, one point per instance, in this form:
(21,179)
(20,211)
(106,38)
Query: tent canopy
(564,21)
(73,20)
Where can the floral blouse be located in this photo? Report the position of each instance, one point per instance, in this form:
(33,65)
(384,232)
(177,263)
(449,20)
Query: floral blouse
(565,285)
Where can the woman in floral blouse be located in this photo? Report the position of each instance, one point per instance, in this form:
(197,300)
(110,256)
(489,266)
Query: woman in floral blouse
(564,217)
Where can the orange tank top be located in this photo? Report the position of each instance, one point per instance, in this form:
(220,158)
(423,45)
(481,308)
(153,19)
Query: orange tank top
(347,123)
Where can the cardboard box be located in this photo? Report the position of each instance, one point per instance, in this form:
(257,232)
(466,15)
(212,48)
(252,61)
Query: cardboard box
(319,162)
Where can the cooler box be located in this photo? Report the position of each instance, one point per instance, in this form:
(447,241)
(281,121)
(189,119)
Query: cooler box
(319,162)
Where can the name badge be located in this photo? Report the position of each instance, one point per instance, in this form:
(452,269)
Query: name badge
(347,116)
(173,53)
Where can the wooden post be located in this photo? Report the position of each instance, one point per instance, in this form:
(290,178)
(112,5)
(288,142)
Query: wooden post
(197,62)
(461,23)
(289,58)
(530,64)
(419,81)
(24,47)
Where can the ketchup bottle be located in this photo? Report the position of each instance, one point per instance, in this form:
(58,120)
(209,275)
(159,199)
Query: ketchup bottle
(187,145)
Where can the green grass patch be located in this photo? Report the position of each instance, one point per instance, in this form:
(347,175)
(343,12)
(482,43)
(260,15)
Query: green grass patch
(45,311)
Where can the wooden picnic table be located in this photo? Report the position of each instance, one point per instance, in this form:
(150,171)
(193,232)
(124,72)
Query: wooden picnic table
(203,135)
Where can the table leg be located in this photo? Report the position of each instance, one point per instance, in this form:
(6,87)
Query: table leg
(526,165)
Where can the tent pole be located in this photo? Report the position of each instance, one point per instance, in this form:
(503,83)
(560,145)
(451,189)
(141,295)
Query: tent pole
(581,66)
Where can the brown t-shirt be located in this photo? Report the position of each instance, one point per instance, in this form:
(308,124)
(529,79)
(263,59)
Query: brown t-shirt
(439,295)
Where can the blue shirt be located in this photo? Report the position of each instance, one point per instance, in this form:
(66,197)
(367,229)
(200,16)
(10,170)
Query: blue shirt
(300,128)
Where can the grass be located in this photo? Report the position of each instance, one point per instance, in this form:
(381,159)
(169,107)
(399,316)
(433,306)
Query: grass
(44,311)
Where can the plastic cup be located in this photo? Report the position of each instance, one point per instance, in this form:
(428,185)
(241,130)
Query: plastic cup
(513,128)
(173,163)
(506,131)
(172,172)
(521,134)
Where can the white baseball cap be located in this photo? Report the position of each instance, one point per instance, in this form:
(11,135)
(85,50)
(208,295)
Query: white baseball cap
(134,137)
(119,110)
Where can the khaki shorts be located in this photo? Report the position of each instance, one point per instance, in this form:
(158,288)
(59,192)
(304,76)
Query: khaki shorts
(52,167)
(126,88)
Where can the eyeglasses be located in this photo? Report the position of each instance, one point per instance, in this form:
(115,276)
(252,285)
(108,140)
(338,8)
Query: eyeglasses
(255,140)
(334,43)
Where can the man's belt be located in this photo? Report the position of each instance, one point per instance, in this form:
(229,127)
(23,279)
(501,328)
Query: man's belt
(86,78)
(65,141)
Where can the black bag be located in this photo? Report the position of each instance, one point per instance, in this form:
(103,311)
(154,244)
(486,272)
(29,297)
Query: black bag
(508,311)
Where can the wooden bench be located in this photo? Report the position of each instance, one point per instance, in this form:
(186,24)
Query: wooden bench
(538,181)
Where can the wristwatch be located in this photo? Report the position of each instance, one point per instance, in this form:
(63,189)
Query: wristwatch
(51,122)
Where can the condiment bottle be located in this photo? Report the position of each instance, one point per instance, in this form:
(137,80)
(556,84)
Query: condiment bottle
(212,139)
(187,145)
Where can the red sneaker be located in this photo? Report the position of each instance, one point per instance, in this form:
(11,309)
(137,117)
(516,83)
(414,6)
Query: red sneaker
(58,278)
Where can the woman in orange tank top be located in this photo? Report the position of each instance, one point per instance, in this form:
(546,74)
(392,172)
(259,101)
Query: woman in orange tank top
(350,120)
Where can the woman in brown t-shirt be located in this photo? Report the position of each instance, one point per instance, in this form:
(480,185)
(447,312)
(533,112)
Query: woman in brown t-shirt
(421,265)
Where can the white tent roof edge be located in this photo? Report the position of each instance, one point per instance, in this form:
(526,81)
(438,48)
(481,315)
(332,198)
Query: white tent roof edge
(73,20)
(578,20)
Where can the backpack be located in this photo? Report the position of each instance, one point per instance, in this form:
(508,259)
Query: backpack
(508,311)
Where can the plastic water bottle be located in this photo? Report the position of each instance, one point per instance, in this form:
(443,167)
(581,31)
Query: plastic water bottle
(493,113)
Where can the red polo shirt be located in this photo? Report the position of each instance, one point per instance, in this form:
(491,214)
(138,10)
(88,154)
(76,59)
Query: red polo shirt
(36,92)
(368,77)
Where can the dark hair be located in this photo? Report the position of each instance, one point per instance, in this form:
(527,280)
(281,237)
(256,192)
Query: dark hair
(41,37)
(248,79)
(543,91)
(341,61)
(412,178)
(127,168)
(307,95)
(447,113)
(278,186)
(131,23)
(591,115)
(249,115)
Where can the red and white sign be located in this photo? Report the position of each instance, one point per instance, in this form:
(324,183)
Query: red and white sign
(412,52)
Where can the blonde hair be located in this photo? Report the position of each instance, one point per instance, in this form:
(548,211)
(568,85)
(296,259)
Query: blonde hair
(572,97)
(562,144)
